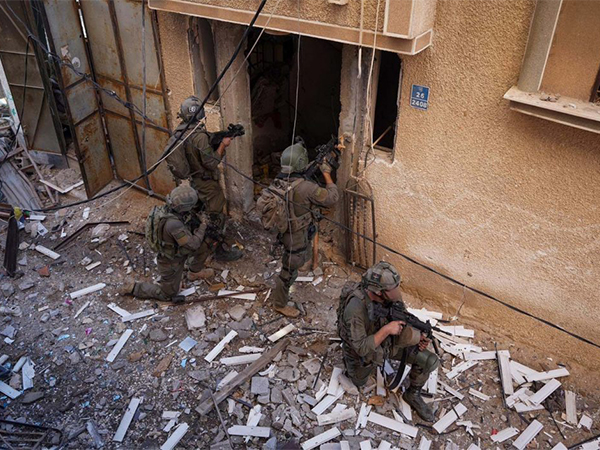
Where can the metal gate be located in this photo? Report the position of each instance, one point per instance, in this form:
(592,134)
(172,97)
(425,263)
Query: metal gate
(361,236)
(38,112)
(103,40)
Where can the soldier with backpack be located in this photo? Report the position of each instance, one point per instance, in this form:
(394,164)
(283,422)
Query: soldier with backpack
(368,340)
(198,161)
(288,207)
(173,231)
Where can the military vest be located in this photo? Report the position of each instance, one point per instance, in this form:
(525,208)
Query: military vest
(155,225)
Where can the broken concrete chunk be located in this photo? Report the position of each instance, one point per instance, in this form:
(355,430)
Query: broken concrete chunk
(195,317)
(289,374)
(237,312)
(32,397)
(259,386)
(158,335)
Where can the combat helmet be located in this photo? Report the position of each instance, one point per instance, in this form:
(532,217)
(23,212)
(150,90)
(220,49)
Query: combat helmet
(189,108)
(182,199)
(383,277)
(294,159)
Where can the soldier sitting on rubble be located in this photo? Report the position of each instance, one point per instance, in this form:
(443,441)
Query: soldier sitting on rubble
(176,233)
(367,341)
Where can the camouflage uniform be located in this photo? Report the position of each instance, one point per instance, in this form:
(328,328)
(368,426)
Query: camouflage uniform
(180,245)
(357,327)
(297,239)
(204,162)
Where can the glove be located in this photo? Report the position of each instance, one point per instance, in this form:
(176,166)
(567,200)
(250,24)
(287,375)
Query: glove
(201,231)
(325,168)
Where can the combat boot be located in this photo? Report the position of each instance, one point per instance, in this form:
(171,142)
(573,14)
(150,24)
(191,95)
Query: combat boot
(412,396)
(203,274)
(222,254)
(288,311)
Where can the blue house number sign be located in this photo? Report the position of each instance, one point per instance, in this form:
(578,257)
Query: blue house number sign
(419,97)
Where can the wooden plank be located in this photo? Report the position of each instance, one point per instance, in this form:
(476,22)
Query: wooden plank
(543,376)
(365,445)
(120,311)
(319,439)
(220,346)
(425,443)
(174,439)
(504,363)
(432,382)
(449,418)
(460,368)
(126,419)
(119,345)
(479,395)
(336,417)
(392,424)
(457,330)
(138,315)
(344,445)
(559,446)
(384,445)
(483,356)
(226,379)
(281,333)
(80,310)
(241,359)
(544,392)
(571,407)
(522,407)
(87,290)
(92,265)
(528,435)
(47,252)
(452,391)
(380,384)
(242,430)
(232,294)
(521,395)
(9,391)
(268,356)
(334,382)
(361,421)
(326,403)
(505,434)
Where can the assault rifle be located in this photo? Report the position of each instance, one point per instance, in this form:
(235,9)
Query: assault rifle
(393,311)
(329,153)
(233,130)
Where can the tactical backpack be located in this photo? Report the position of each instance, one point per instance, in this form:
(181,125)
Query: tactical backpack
(347,290)
(154,231)
(272,205)
(177,160)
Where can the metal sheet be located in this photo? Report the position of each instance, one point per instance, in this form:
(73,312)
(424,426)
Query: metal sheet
(123,146)
(155,107)
(63,19)
(94,161)
(129,13)
(110,104)
(64,31)
(42,128)
(161,179)
(82,101)
(101,36)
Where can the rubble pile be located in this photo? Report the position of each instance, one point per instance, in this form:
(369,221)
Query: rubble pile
(115,372)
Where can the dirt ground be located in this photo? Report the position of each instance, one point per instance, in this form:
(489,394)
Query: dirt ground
(74,384)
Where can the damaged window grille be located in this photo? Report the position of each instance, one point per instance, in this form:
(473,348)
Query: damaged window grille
(361,248)
(16,435)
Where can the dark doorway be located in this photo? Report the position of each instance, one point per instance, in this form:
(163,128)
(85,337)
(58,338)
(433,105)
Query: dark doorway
(386,105)
(273,68)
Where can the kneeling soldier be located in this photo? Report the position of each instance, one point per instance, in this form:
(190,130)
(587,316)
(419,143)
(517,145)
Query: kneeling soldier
(174,232)
(367,341)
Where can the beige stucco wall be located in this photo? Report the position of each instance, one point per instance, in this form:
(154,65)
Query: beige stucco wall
(504,202)
(176,59)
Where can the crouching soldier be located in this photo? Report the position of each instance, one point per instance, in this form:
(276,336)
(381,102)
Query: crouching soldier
(177,235)
(367,340)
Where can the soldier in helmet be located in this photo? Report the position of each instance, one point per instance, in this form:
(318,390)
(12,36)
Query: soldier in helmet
(198,161)
(177,239)
(367,341)
(303,198)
